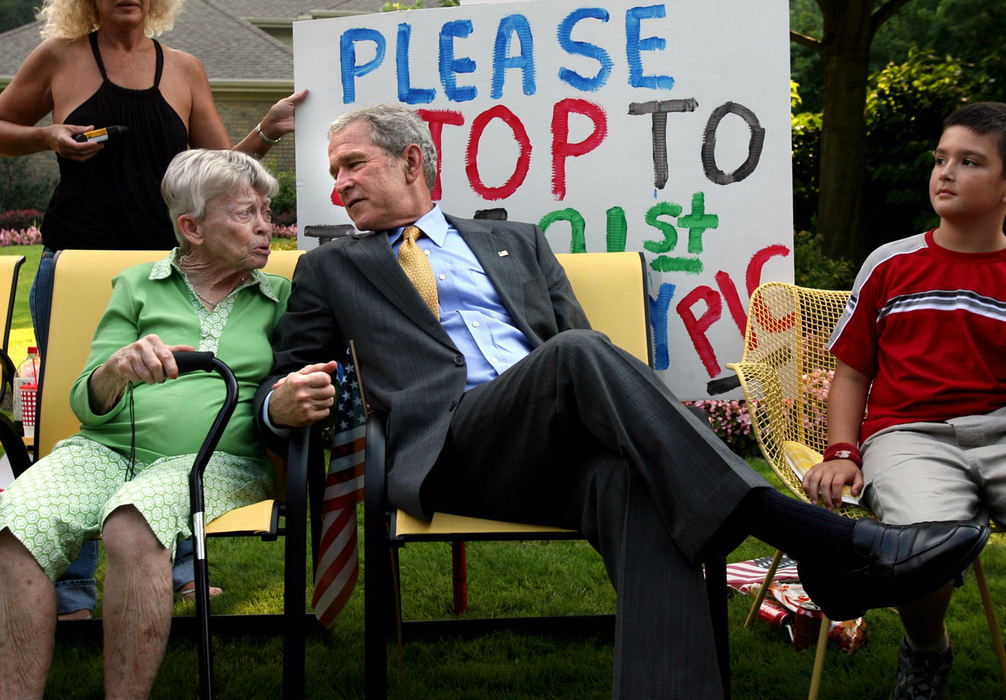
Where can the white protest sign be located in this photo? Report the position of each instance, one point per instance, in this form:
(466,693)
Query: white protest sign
(662,128)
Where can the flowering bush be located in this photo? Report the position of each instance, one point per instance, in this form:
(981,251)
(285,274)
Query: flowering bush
(28,236)
(731,422)
(284,237)
(815,386)
(279,231)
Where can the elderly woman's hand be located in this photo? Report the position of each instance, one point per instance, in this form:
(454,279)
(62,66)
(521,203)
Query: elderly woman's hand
(146,360)
(60,139)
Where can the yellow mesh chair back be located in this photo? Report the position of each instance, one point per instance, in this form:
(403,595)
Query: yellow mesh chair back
(786,371)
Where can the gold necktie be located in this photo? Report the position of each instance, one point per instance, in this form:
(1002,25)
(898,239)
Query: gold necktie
(418,269)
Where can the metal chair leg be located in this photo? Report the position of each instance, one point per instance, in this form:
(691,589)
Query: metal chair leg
(396,584)
(763,591)
(990,616)
(716,591)
(822,648)
(294,583)
(459,576)
(377,590)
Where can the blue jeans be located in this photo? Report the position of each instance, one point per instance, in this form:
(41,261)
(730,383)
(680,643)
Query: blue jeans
(76,588)
(39,304)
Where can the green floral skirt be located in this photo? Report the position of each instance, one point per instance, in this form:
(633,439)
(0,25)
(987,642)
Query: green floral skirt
(63,500)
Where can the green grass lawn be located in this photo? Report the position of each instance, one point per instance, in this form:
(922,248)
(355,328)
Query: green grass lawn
(521,578)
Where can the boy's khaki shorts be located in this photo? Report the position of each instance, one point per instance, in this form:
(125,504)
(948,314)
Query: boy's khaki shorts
(954,470)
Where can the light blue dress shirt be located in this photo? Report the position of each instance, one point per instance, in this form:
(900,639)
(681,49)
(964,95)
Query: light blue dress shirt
(470,308)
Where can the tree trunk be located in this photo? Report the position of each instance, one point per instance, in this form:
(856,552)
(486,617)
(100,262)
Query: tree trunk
(848,28)
(845,52)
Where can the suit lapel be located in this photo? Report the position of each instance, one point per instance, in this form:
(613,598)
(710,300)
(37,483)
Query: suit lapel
(375,259)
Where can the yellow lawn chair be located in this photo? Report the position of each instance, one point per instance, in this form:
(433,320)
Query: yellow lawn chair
(785,374)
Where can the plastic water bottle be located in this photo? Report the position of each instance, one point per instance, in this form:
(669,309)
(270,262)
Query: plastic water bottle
(26,391)
(29,367)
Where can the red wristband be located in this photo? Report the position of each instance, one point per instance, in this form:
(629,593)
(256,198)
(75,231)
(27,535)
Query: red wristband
(843,450)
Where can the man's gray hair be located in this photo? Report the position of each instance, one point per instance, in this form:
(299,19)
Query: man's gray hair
(198,175)
(393,129)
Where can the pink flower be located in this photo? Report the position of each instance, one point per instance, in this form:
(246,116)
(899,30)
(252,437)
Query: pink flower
(284,231)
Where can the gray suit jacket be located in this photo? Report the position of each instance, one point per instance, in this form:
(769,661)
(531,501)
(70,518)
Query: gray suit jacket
(354,288)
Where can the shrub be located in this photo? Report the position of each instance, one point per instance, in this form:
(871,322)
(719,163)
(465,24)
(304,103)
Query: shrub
(284,204)
(20,218)
(20,191)
(813,269)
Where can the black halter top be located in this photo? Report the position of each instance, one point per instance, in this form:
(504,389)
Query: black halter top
(113,200)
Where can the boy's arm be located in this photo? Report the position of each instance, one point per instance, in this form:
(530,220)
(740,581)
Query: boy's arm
(846,405)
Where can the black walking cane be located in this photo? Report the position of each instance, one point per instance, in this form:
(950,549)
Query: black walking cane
(190,362)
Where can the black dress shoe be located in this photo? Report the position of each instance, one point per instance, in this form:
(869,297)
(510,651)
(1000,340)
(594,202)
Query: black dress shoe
(897,564)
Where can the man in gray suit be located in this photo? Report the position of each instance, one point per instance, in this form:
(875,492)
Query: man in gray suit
(502,403)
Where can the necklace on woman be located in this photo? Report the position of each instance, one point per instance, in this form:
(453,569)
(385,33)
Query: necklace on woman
(186,266)
(213,304)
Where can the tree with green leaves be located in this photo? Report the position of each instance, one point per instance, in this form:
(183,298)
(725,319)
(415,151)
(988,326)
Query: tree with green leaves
(14,13)
(924,55)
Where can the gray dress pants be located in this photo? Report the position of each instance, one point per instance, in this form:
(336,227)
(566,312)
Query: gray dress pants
(580,434)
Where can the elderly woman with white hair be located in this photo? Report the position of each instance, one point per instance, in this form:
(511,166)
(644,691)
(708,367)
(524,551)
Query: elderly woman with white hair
(124,475)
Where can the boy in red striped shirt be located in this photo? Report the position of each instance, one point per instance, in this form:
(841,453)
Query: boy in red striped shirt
(920,351)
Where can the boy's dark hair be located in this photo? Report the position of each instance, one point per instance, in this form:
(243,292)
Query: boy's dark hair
(983,118)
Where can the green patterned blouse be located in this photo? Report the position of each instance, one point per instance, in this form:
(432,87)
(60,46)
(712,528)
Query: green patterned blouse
(172,418)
